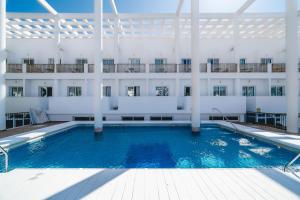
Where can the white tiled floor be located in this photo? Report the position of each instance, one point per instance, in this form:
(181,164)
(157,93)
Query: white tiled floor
(150,184)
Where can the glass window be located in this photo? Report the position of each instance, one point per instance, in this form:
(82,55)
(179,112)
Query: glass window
(266,60)
(108,61)
(162,91)
(133,91)
(242,61)
(134,61)
(249,91)
(160,61)
(74,91)
(107,91)
(187,91)
(81,61)
(277,90)
(186,61)
(220,91)
(45,91)
(28,61)
(213,61)
(15,91)
(51,61)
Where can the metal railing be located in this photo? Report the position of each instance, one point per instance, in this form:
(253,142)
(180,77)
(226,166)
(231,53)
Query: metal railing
(163,68)
(224,67)
(203,67)
(184,68)
(131,68)
(278,67)
(287,166)
(14,120)
(226,118)
(253,67)
(5,158)
(70,68)
(14,68)
(109,68)
(40,68)
(90,68)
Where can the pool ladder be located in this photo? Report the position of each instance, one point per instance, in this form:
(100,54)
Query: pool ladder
(5,157)
(226,118)
(287,166)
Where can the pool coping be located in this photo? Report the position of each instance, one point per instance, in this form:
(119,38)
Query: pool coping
(290,142)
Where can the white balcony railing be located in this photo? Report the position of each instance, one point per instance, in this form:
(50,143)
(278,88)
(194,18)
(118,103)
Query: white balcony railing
(163,68)
(253,67)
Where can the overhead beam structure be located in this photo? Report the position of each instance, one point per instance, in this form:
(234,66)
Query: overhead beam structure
(114,7)
(244,7)
(180,3)
(48,7)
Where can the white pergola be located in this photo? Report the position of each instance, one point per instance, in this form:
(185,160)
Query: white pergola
(176,25)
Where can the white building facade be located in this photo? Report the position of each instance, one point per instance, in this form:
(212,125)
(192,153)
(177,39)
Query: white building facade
(147,63)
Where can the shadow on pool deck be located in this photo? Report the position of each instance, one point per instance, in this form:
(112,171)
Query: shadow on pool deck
(88,185)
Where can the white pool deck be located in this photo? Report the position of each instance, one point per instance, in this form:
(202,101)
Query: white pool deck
(150,184)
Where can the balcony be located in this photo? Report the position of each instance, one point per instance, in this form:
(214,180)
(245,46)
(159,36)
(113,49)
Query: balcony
(14,68)
(70,68)
(278,67)
(40,68)
(90,68)
(163,68)
(131,68)
(188,68)
(106,68)
(224,68)
(253,67)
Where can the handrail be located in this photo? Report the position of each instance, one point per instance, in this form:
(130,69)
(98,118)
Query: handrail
(291,162)
(6,158)
(232,124)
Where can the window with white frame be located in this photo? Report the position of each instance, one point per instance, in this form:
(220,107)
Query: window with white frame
(74,91)
(107,91)
(133,91)
(28,61)
(162,91)
(45,91)
(51,61)
(134,61)
(213,61)
(277,90)
(266,60)
(186,61)
(187,91)
(220,90)
(242,61)
(81,61)
(15,91)
(108,61)
(249,91)
(160,61)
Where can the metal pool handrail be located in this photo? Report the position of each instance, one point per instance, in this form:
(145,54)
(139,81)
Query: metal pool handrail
(5,157)
(291,162)
(232,124)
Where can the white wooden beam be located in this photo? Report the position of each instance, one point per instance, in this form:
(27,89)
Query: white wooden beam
(48,7)
(114,7)
(180,3)
(244,7)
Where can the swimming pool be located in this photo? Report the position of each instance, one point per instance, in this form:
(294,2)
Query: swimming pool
(147,147)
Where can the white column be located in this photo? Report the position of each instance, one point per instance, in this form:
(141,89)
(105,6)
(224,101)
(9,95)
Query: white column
(292,84)
(237,84)
(56,88)
(195,65)
(177,39)
(98,81)
(116,41)
(57,39)
(2,63)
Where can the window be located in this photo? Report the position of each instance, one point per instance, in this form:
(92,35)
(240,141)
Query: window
(160,61)
(186,61)
(133,91)
(51,61)
(107,91)
(266,60)
(242,61)
(74,91)
(213,61)
(45,91)
(220,91)
(249,91)
(108,61)
(134,61)
(162,91)
(28,61)
(15,91)
(277,90)
(187,91)
(81,61)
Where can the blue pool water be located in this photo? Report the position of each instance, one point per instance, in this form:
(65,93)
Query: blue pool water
(147,147)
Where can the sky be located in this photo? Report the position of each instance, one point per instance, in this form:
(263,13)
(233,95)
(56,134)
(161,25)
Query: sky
(146,6)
